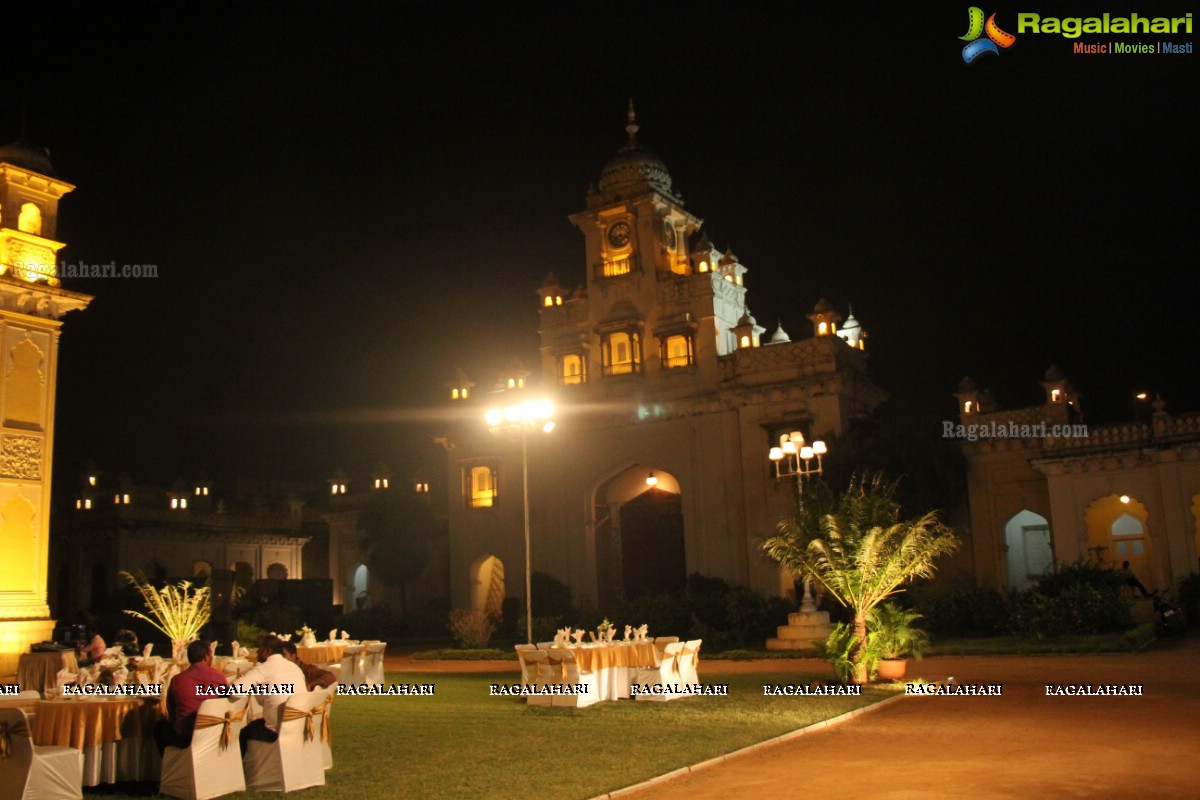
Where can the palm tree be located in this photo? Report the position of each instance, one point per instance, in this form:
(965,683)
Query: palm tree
(859,549)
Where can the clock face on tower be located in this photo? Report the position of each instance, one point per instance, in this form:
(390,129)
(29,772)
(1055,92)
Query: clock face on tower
(618,234)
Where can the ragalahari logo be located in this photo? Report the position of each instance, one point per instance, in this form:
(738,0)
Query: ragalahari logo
(976,27)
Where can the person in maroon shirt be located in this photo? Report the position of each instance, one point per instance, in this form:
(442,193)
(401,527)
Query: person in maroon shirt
(183,701)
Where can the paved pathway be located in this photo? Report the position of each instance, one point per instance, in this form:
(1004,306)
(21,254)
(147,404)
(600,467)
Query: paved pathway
(1020,745)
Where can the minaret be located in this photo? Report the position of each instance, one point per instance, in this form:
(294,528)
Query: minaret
(31,303)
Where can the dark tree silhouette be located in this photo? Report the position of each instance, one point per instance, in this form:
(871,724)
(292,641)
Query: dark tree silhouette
(399,529)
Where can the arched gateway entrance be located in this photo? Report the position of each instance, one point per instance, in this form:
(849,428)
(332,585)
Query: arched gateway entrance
(638,523)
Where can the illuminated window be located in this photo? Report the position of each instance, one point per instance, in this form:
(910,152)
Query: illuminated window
(91,480)
(622,353)
(337,488)
(967,406)
(572,370)
(422,488)
(677,351)
(822,328)
(704,266)
(558,299)
(480,486)
(31,219)
(549,301)
(1055,395)
(745,341)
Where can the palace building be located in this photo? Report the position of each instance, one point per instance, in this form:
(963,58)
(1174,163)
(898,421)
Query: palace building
(1046,489)
(667,400)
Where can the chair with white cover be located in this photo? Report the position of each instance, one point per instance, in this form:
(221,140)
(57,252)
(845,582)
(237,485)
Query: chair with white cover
(294,760)
(373,663)
(564,670)
(689,661)
(660,643)
(668,672)
(526,655)
(211,765)
(351,671)
(28,772)
(322,725)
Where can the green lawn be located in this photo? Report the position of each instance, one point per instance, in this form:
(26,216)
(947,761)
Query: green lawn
(462,743)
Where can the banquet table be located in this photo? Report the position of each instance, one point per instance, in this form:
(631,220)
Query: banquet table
(615,665)
(40,670)
(321,653)
(115,735)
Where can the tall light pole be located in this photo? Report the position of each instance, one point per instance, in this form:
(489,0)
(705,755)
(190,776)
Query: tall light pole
(523,418)
(794,458)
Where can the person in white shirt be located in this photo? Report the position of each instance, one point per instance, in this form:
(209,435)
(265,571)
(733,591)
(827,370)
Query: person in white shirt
(284,679)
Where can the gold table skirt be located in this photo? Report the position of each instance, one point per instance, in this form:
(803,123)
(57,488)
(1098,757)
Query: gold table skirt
(87,723)
(617,654)
(321,653)
(40,670)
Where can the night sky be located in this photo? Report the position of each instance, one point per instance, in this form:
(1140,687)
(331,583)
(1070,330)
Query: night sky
(346,202)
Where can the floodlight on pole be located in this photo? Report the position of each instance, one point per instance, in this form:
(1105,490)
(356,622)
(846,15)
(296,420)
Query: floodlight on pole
(523,418)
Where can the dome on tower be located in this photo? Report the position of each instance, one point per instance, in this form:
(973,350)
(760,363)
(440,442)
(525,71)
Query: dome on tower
(24,155)
(634,168)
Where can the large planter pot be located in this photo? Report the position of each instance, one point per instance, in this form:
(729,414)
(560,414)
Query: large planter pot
(892,669)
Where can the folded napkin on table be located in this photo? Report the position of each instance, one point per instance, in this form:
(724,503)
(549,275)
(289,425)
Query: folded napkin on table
(120,675)
(628,631)
(65,677)
(146,650)
(345,635)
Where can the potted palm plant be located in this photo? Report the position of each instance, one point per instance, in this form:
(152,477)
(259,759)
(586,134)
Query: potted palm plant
(847,659)
(896,637)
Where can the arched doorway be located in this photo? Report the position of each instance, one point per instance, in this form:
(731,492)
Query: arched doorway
(359,584)
(1118,532)
(639,537)
(1027,537)
(487,584)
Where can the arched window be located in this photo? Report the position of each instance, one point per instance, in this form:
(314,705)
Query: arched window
(572,370)
(277,572)
(677,351)
(480,486)
(622,353)
(31,219)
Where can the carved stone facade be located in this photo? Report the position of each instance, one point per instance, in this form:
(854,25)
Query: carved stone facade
(668,401)
(31,303)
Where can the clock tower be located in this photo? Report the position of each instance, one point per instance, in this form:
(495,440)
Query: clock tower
(32,301)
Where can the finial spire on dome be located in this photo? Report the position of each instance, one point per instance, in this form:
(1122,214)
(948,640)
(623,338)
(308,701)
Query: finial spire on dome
(632,127)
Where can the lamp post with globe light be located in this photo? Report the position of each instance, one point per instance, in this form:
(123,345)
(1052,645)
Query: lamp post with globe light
(524,418)
(793,457)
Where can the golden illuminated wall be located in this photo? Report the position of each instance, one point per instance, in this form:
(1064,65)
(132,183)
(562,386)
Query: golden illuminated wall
(31,302)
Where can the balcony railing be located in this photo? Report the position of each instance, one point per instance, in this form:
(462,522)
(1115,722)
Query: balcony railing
(616,267)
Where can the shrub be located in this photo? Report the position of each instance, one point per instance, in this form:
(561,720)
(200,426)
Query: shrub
(1189,596)
(960,610)
(471,629)
(249,634)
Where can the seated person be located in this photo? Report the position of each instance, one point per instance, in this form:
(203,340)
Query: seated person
(314,676)
(93,651)
(274,670)
(183,701)
(127,640)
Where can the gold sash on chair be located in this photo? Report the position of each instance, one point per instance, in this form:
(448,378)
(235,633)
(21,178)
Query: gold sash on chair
(7,732)
(290,713)
(204,721)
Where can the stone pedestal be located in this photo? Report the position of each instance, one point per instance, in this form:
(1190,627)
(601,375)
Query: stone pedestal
(802,629)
